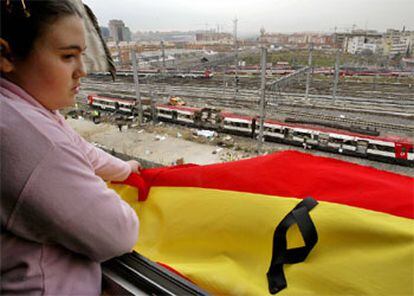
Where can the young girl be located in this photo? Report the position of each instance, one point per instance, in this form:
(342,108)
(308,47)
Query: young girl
(58,218)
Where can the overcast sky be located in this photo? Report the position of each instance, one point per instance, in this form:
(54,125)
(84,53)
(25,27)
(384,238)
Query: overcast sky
(273,15)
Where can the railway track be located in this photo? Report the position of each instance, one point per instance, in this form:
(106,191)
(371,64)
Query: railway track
(279,103)
(249,98)
(319,86)
(396,94)
(348,121)
(329,118)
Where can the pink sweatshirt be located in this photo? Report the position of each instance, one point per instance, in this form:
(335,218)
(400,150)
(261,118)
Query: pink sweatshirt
(58,218)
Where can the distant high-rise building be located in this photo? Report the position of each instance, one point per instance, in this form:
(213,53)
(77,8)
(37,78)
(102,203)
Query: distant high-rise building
(363,40)
(118,31)
(104,33)
(398,42)
(126,34)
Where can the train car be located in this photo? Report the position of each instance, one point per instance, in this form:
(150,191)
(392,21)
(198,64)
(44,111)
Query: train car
(387,149)
(176,114)
(111,104)
(273,130)
(208,74)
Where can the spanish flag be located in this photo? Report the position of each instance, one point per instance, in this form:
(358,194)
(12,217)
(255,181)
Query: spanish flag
(288,223)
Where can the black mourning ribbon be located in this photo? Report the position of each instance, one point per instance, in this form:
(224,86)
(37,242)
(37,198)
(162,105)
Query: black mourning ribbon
(281,255)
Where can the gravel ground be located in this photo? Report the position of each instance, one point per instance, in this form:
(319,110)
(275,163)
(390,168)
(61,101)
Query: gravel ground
(159,147)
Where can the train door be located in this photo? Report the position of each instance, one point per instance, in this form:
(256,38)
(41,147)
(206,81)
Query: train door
(174,115)
(401,150)
(323,139)
(287,134)
(362,147)
(253,134)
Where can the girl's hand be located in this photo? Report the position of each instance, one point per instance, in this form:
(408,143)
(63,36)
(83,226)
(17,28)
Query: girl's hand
(135,166)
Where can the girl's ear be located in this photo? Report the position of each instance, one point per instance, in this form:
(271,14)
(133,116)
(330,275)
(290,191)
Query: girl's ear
(6,63)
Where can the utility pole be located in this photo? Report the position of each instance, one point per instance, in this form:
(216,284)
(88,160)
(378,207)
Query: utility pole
(163,57)
(224,80)
(118,50)
(136,81)
(262,96)
(309,71)
(154,114)
(236,60)
(336,75)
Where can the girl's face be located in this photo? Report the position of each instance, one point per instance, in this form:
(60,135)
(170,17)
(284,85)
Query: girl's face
(52,71)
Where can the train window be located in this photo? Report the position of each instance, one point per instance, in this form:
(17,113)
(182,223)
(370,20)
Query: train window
(300,134)
(362,143)
(381,148)
(272,130)
(237,124)
(349,142)
(162,111)
(335,140)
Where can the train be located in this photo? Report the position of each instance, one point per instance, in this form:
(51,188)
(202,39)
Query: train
(391,149)
(327,71)
(146,73)
(255,70)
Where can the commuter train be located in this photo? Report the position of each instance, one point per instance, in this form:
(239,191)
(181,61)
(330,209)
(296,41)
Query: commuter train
(382,148)
(145,73)
(327,71)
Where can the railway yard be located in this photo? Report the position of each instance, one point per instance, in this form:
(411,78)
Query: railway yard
(384,105)
(389,108)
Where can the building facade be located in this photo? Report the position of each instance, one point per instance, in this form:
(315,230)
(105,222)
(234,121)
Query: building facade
(357,42)
(398,42)
(118,31)
(298,40)
(213,38)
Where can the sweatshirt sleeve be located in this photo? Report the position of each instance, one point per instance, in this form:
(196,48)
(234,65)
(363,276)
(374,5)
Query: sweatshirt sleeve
(106,166)
(65,203)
